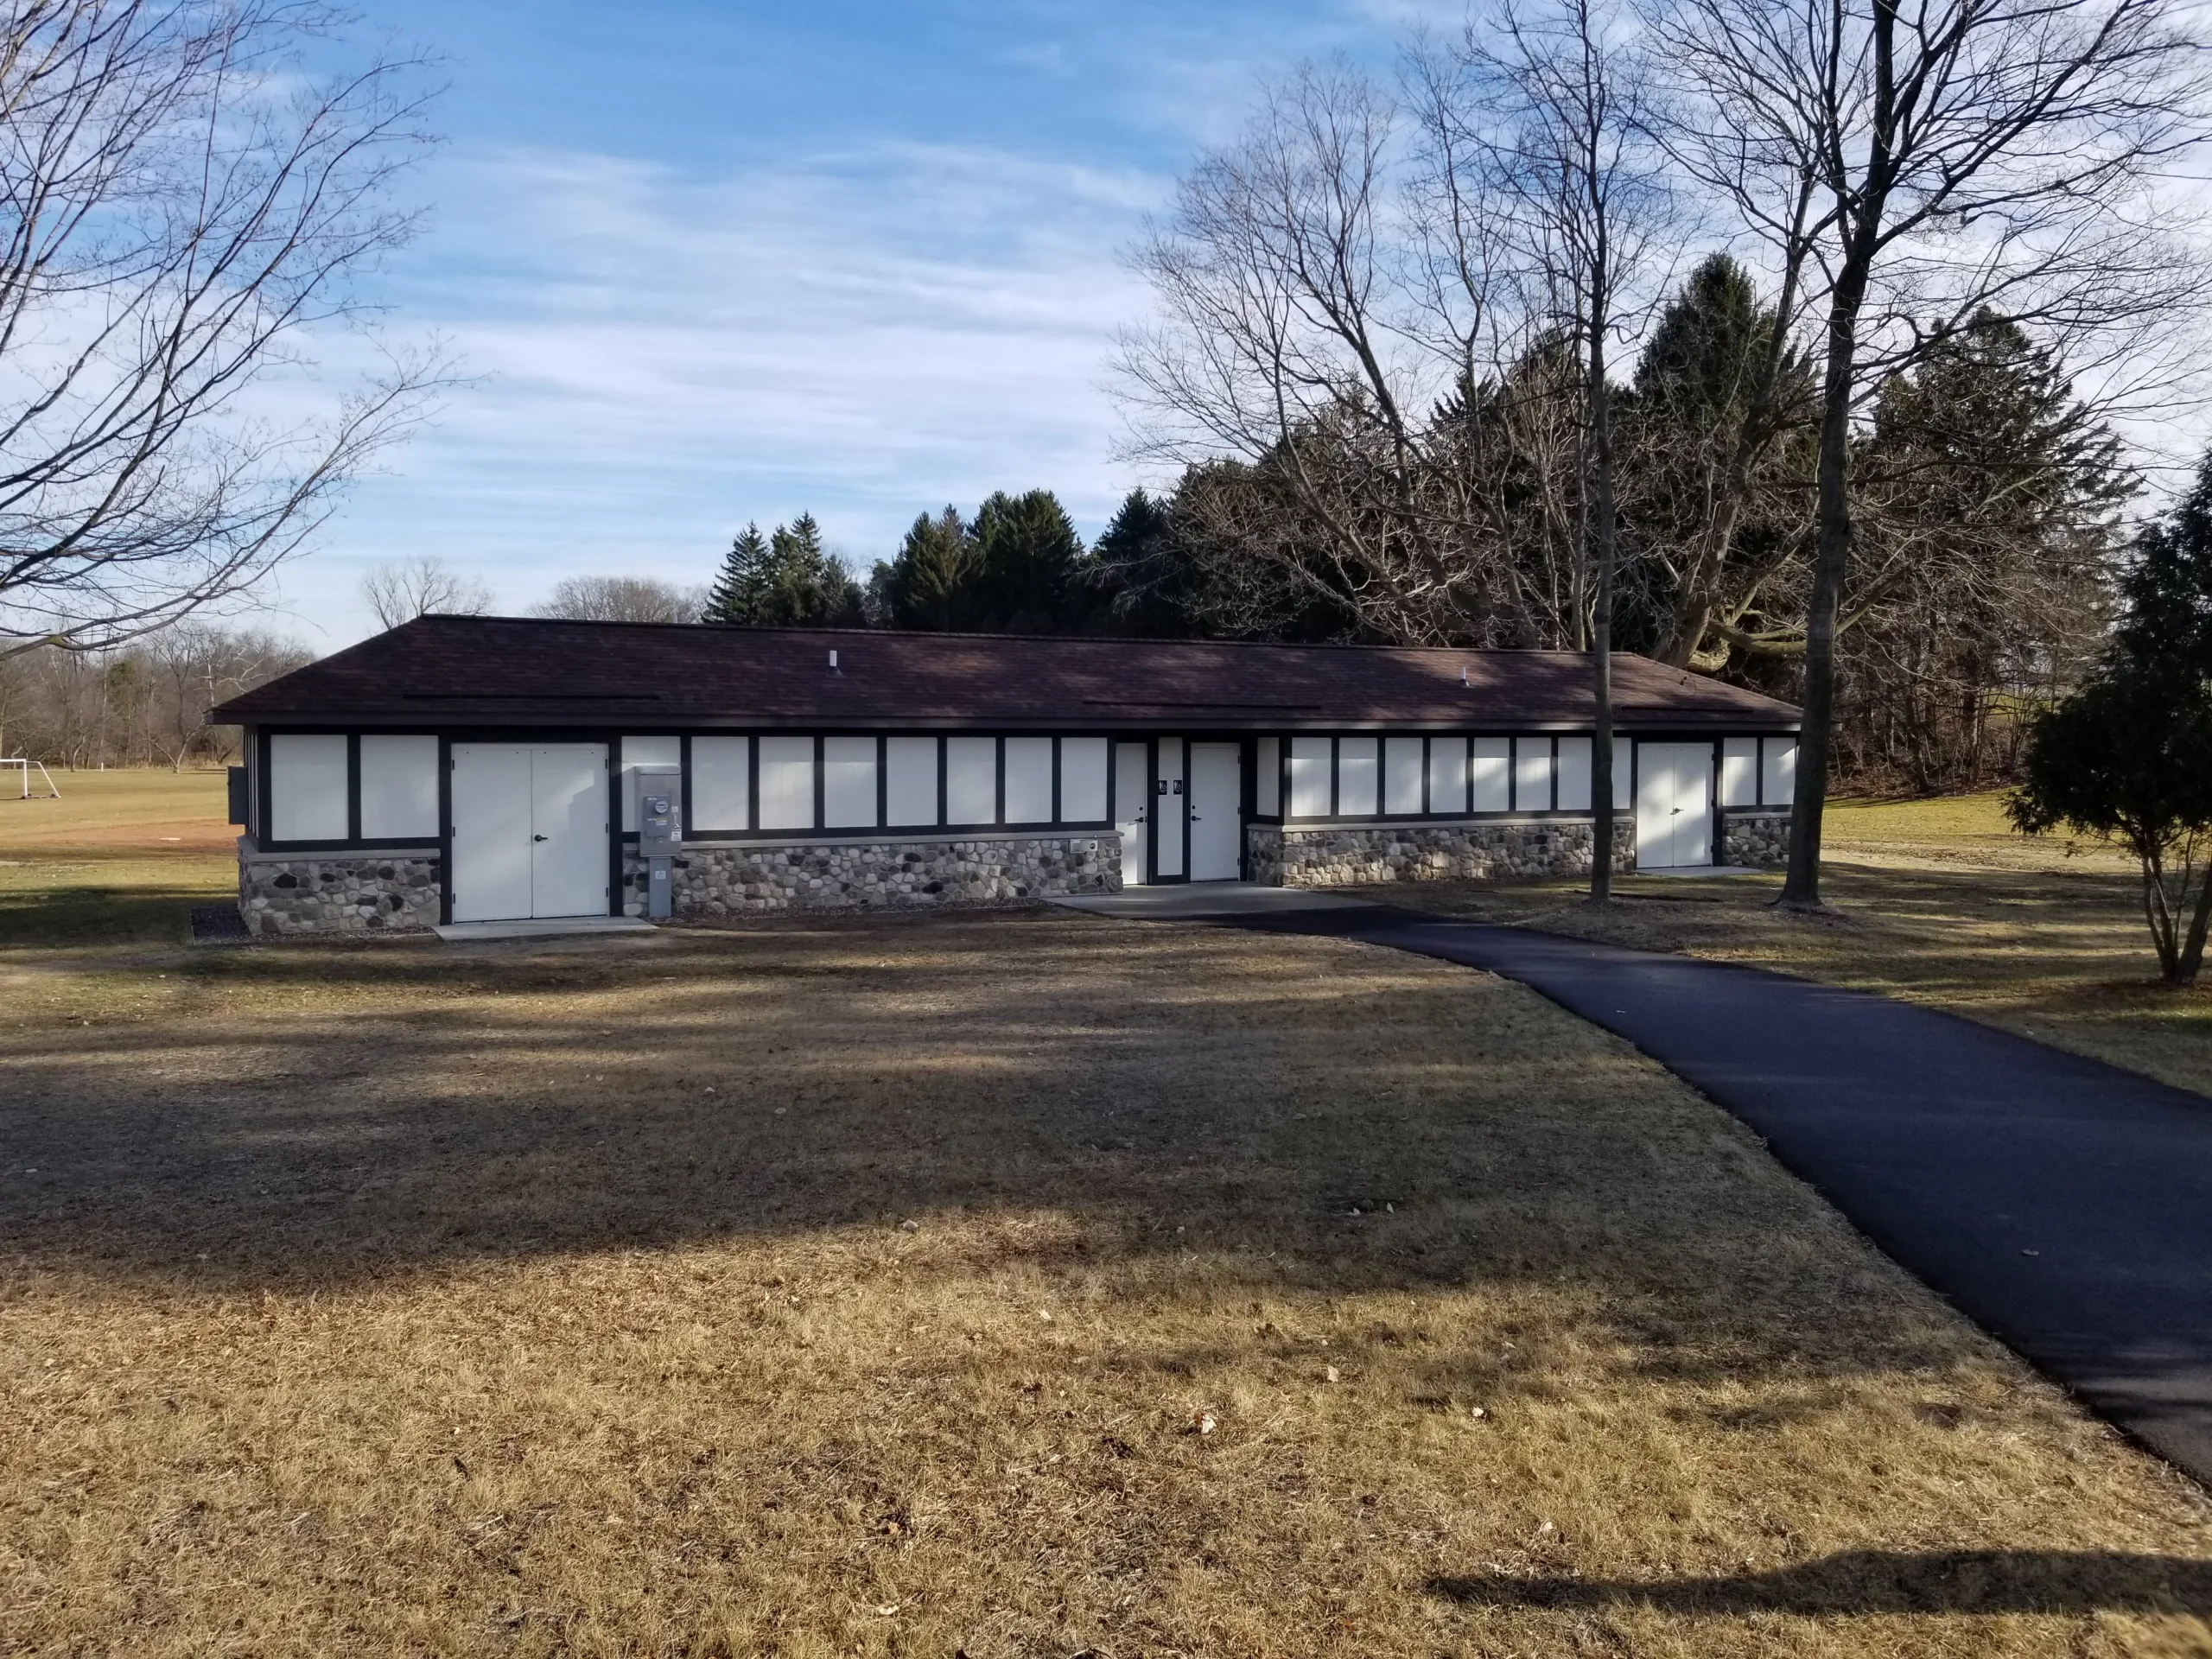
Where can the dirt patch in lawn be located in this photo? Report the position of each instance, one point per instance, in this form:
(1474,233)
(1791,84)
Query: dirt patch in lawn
(1005,1286)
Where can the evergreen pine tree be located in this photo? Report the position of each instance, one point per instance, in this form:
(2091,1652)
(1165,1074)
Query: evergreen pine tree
(1028,551)
(729,599)
(1143,580)
(784,580)
(931,583)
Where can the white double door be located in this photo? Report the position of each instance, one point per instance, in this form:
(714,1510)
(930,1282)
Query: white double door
(531,830)
(1673,805)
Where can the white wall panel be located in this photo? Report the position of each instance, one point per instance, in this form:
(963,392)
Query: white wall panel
(971,780)
(1778,773)
(1029,780)
(1358,784)
(1447,774)
(909,780)
(1490,774)
(720,784)
(1309,777)
(648,752)
(1267,796)
(1739,771)
(848,783)
(1401,764)
(786,783)
(1532,774)
(1574,774)
(307,788)
(399,787)
(1082,779)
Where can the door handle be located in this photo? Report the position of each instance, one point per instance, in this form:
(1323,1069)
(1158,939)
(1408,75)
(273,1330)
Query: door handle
(538,837)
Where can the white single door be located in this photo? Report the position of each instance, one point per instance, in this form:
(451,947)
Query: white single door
(1133,810)
(1217,823)
(1674,804)
(570,824)
(529,831)
(492,854)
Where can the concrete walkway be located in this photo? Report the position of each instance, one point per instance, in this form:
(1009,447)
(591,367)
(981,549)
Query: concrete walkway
(2064,1205)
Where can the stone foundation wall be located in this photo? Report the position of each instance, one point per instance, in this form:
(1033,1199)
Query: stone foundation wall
(745,879)
(337,892)
(1354,855)
(1760,840)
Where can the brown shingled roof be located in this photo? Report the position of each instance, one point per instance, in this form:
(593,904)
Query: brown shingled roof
(511,671)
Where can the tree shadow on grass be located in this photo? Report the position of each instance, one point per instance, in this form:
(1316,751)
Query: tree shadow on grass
(1874,1582)
(1314,1116)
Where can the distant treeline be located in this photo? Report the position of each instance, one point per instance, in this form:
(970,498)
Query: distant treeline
(142,705)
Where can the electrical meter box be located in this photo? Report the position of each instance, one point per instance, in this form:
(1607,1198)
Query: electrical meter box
(657,794)
(660,796)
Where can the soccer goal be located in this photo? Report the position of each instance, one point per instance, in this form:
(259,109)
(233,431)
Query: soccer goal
(24,766)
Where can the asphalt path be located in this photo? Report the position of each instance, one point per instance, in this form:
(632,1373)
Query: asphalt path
(2064,1205)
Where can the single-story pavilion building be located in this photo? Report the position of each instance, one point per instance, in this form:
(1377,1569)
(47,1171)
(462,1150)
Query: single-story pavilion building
(465,769)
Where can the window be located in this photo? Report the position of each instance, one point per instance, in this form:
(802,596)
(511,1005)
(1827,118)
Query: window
(1778,772)
(721,786)
(308,789)
(1574,774)
(1739,771)
(1490,774)
(1083,780)
(1532,774)
(1356,764)
(1028,780)
(971,780)
(399,788)
(1309,777)
(787,783)
(1267,800)
(909,780)
(848,783)
(1447,774)
(1401,764)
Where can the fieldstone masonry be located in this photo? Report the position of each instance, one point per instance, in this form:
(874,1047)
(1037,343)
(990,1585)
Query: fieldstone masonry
(1758,840)
(1351,854)
(737,878)
(341,893)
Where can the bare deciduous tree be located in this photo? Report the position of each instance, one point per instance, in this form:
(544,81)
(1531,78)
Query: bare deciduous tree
(623,599)
(1914,165)
(400,592)
(1549,105)
(185,206)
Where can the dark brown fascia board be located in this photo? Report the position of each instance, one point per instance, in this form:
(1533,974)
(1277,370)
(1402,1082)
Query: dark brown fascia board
(656,722)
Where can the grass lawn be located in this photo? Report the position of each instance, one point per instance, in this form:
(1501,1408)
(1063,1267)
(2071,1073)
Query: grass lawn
(120,856)
(1006,1285)
(1934,902)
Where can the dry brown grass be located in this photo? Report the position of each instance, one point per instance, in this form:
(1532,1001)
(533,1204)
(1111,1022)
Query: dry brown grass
(121,855)
(1933,901)
(401,1297)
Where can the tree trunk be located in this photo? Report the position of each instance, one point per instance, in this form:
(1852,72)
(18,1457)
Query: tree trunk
(1601,627)
(1801,888)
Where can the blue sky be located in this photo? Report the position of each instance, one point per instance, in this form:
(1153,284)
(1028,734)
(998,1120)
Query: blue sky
(709,263)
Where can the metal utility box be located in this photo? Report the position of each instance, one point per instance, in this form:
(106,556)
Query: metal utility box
(657,794)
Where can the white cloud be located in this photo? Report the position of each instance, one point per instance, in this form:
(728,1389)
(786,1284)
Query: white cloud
(866,334)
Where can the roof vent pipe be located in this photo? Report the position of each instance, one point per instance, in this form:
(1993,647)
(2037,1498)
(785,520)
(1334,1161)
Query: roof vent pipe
(1463,668)
(832,662)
